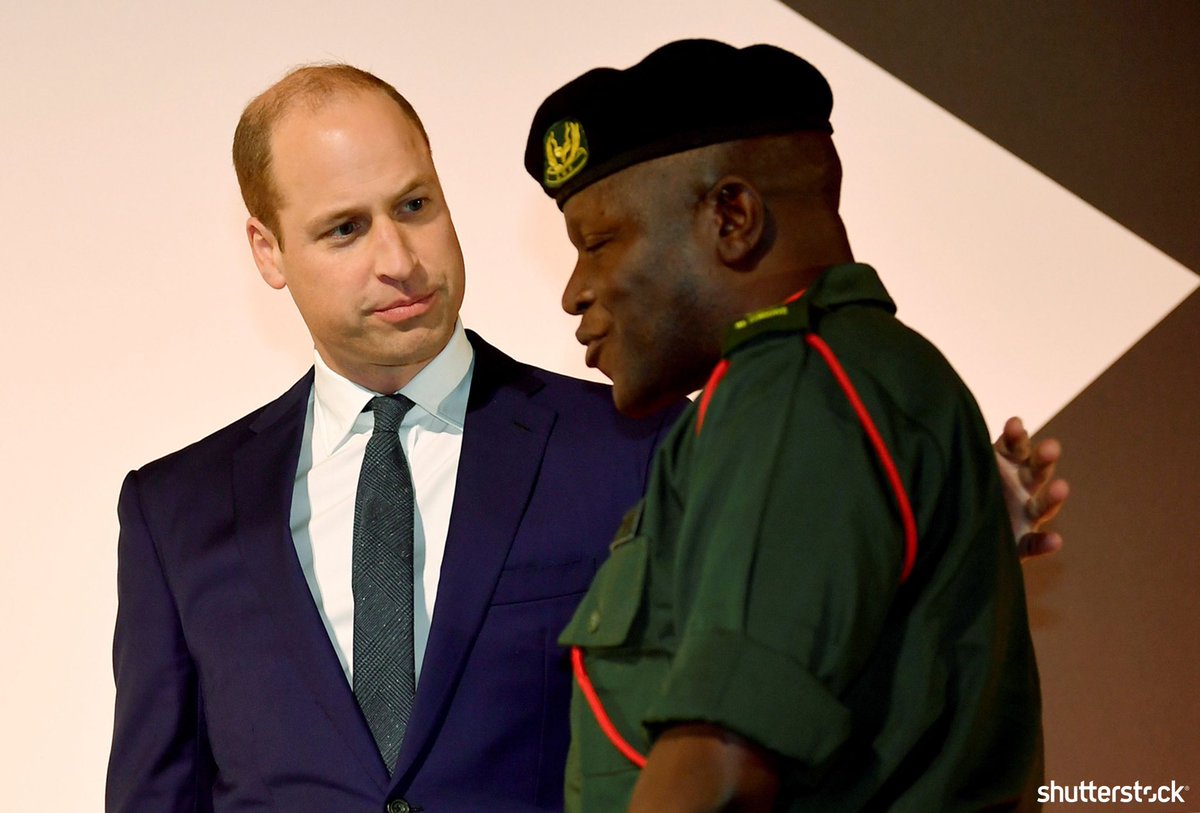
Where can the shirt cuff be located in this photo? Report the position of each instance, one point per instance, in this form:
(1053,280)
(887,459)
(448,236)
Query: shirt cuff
(721,677)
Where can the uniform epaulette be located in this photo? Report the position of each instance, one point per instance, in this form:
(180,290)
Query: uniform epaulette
(795,317)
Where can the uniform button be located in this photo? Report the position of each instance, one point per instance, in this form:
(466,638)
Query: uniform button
(594,621)
(398,806)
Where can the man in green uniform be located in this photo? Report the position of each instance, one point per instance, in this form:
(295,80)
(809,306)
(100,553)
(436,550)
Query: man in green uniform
(817,606)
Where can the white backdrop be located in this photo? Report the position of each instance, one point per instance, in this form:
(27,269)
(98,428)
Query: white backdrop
(134,321)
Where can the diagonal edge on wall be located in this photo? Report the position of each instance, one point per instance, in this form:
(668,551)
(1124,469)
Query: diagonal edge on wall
(1102,97)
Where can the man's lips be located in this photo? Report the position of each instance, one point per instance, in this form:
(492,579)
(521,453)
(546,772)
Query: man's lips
(592,357)
(593,343)
(405,308)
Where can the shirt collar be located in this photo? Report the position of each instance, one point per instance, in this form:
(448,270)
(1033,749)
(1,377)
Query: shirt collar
(439,390)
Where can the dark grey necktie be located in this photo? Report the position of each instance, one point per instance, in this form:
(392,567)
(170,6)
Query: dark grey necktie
(382,580)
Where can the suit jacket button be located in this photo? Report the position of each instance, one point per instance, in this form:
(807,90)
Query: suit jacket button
(398,806)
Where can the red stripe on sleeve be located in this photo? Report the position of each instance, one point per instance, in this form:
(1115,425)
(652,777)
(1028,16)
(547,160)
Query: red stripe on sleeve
(885,458)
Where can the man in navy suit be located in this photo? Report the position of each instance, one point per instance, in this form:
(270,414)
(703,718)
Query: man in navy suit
(233,651)
(233,648)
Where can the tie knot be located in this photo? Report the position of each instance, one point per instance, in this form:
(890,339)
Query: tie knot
(389,411)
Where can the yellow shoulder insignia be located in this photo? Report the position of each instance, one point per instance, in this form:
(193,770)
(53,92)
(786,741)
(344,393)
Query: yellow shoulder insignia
(758,316)
(793,318)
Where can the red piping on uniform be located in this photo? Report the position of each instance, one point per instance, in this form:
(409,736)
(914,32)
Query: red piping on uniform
(606,725)
(885,459)
(713,380)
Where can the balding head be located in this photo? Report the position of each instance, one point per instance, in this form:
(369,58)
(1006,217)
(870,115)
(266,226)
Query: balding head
(309,87)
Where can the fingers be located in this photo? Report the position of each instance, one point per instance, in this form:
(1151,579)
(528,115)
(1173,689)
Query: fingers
(1032,493)
(1038,544)
(1039,468)
(1044,503)
(1036,462)
(1013,444)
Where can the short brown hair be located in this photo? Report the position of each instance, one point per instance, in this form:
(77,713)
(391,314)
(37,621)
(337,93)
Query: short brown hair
(313,85)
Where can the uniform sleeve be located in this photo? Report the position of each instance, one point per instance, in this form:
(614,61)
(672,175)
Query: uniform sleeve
(160,758)
(790,552)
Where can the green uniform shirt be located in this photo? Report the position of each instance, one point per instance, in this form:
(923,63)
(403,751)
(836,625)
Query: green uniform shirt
(757,585)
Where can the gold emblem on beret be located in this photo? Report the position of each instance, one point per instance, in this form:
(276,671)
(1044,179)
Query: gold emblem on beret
(566,152)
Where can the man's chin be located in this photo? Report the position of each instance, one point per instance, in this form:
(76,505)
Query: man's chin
(641,404)
(419,338)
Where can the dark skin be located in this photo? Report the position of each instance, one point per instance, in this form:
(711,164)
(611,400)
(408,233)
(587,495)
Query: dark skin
(704,237)
(699,766)
(696,240)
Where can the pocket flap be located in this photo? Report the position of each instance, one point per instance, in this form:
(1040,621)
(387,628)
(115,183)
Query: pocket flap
(607,612)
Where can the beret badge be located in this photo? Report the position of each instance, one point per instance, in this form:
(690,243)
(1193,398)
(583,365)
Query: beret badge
(566,152)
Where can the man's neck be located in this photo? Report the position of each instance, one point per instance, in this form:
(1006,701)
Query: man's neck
(383,379)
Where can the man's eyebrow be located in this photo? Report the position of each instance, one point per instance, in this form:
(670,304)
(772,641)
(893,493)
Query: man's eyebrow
(421,182)
(329,218)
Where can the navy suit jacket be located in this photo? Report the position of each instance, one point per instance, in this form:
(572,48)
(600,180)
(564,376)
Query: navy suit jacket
(229,694)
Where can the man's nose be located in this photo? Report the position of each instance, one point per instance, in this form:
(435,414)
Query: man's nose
(577,296)
(395,256)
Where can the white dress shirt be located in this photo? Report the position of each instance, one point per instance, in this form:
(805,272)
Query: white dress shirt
(331,455)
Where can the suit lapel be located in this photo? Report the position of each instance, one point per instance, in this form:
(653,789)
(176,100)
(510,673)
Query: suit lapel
(504,438)
(264,475)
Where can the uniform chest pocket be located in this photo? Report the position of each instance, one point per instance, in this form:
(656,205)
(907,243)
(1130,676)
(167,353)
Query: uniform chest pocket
(607,613)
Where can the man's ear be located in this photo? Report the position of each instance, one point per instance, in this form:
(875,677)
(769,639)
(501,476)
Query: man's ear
(742,222)
(268,255)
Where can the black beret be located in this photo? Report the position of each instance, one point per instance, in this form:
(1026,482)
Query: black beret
(686,94)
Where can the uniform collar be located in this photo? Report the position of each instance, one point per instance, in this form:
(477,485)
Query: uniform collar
(836,287)
(852,283)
